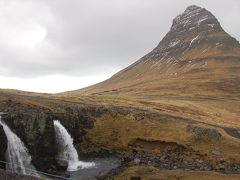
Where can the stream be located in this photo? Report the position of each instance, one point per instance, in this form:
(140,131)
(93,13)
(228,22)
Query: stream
(102,166)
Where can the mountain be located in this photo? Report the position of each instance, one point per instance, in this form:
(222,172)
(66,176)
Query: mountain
(196,57)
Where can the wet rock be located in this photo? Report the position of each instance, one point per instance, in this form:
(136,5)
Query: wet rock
(34,126)
(61,165)
(3,146)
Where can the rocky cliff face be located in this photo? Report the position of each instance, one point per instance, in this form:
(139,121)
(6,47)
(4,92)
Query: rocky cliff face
(35,128)
(3,147)
(34,125)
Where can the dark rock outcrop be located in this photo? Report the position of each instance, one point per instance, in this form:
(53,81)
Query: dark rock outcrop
(3,146)
(202,132)
(61,165)
(34,126)
(76,120)
(232,132)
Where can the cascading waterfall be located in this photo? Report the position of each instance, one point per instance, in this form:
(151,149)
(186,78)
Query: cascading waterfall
(17,154)
(66,150)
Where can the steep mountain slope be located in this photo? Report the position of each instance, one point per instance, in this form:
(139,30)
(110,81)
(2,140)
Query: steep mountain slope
(196,57)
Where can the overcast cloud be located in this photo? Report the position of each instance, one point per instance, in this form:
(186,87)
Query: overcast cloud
(58,45)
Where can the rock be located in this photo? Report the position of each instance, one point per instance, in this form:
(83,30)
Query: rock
(163,157)
(220,167)
(216,152)
(232,132)
(206,168)
(200,161)
(135,178)
(3,146)
(34,126)
(61,165)
(203,132)
(136,161)
(221,160)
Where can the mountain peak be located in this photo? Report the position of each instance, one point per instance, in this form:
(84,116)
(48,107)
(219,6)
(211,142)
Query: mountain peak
(194,17)
(195,28)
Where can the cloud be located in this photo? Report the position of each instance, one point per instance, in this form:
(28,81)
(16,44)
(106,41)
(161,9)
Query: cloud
(50,83)
(80,38)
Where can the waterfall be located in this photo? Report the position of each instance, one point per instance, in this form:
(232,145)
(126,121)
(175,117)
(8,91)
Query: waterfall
(17,154)
(66,150)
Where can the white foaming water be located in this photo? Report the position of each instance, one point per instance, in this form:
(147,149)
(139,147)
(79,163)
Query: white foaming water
(17,155)
(66,150)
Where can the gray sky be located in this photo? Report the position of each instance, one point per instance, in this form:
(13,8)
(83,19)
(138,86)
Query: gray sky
(58,45)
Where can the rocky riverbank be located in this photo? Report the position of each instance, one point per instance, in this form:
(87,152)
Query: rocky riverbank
(172,160)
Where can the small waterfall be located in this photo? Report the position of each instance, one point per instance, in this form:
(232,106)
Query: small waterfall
(66,150)
(17,154)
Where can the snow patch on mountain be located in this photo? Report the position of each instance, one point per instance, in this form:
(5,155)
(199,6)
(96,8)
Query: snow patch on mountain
(173,43)
(194,39)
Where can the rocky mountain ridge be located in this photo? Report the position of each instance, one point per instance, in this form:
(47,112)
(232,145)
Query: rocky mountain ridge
(191,29)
